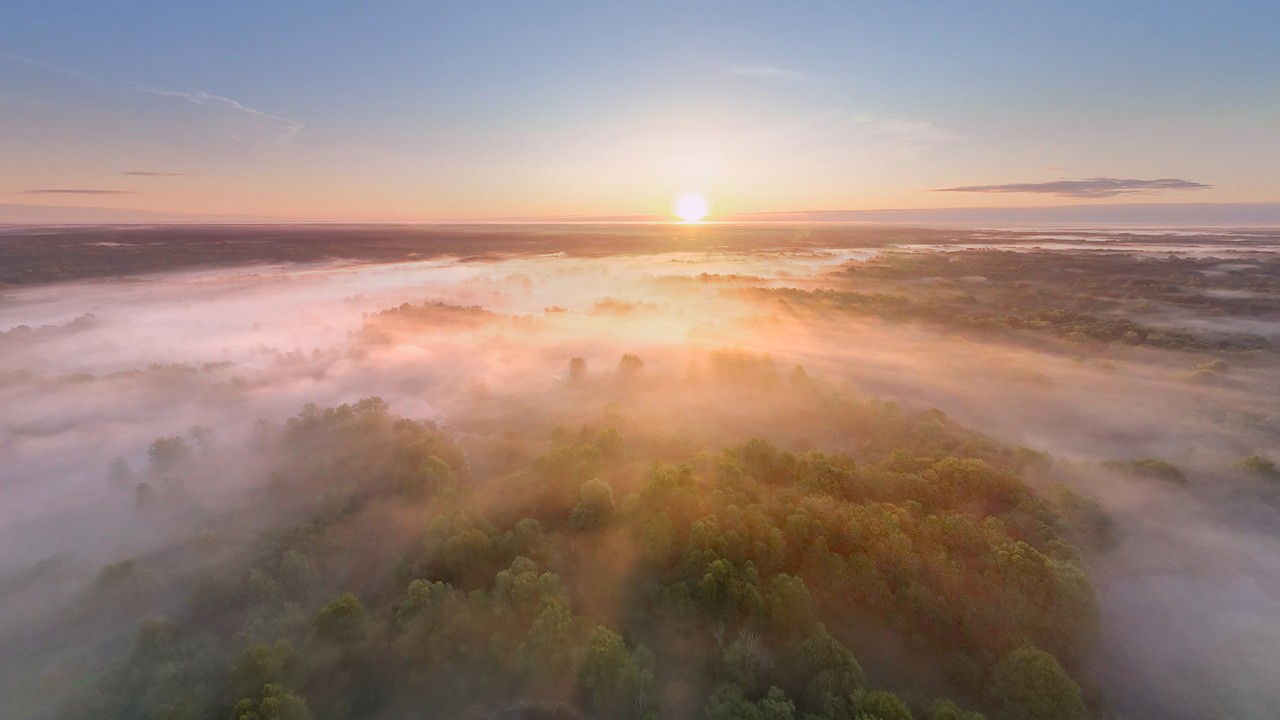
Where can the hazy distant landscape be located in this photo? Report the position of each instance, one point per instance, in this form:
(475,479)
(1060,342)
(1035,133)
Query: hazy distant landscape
(676,360)
(639,470)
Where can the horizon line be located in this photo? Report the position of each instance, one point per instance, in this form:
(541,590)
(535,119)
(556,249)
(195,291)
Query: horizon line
(832,217)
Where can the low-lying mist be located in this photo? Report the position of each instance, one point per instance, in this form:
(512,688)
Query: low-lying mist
(685,351)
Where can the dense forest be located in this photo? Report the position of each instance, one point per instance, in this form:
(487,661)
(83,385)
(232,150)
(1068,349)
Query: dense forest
(613,576)
(804,482)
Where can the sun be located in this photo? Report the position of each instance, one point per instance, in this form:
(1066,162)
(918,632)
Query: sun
(691,207)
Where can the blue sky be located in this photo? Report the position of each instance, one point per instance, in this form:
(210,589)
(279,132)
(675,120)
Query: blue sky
(408,111)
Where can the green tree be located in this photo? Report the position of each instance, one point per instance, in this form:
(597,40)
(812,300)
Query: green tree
(595,506)
(790,605)
(262,665)
(630,366)
(1030,684)
(119,472)
(880,705)
(830,675)
(342,620)
(275,702)
(746,658)
(428,475)
(145,496)
(610,444)
(775,705)
(521,590)
(166,453)
(203,437)
(577,369)
(948,710)
(546,655)
(617,683)
(728,703)
(727,590)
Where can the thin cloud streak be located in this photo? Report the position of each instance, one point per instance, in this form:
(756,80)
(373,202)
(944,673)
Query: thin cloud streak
(291,128)
(157,173)
(912,132)
(840,134)
(50,68)
(200,97)
(1098,187)
(74,191)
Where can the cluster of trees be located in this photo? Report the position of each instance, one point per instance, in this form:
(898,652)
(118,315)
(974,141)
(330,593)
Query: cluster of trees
(1259,465)
(1148,467)
(1209,371)
(380,328)
(1012,314)
(629,367)
(1084,296)
(596,581)
(24,333)
(1093,280)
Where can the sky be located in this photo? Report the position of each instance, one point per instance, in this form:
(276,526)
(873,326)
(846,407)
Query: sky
(421,111)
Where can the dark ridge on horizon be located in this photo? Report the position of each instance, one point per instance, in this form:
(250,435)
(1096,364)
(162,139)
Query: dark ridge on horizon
(157,173)
(1157,214)
(74,191)
(1191,214)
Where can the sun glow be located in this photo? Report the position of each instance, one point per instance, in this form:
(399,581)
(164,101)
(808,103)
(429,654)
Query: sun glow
(691,207)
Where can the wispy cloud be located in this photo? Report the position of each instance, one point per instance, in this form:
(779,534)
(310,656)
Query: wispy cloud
(74,191)
(913,133)
(1099,187)
(46,66)
(840,134)
(157,173)
(289,128)
(767,72)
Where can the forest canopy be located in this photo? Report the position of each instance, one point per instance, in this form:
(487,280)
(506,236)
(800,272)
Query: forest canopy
(594,580)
